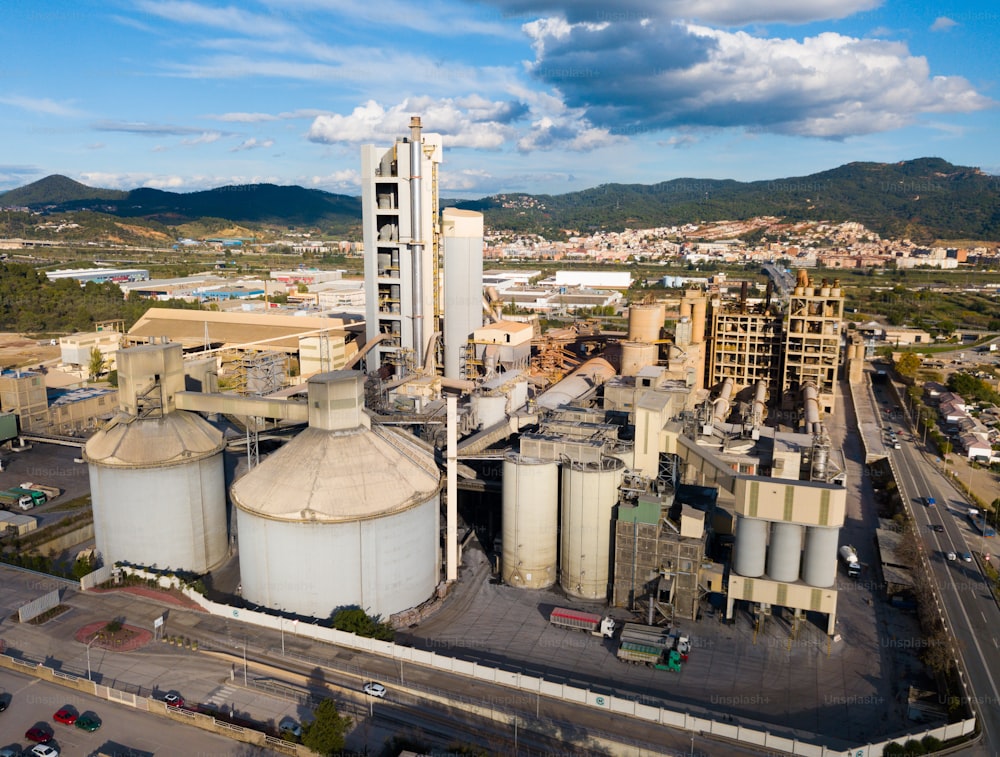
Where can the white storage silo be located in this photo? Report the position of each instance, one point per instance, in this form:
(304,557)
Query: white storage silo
(750,549)
(156,473)
(589,495)
(819,562)
(530,521)
(342,515)
(784,553)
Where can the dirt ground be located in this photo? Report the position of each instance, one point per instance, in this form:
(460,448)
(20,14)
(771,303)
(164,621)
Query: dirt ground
(18,351)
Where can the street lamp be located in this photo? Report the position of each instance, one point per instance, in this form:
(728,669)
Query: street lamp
(88,654)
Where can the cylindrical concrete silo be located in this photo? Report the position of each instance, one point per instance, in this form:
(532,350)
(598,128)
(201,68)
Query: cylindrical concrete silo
(698,311)
(750,549)
(344,514)
(645,322)
(819,562)
(462,244)
(156,473)
(784,554)
(589,494)
(489,409)
(636,356)
(530,521)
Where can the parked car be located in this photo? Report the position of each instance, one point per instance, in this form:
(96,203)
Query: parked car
(174,700)
(44,750)
(4,701)
(38,734)
(65,715)
(88,721)
(290,726)
(375,689)
(11,751)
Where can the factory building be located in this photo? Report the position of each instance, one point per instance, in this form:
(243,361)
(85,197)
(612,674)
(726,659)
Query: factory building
(401,239)
(812,341)
(787,345)
(423,270)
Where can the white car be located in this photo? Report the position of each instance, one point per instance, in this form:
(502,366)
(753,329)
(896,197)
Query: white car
(375,690)
(43,750)
(952,556)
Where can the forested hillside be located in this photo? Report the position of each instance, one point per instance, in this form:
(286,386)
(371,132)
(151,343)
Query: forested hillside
(30,303)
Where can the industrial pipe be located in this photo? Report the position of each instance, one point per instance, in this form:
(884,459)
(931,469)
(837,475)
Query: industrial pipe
(416,239)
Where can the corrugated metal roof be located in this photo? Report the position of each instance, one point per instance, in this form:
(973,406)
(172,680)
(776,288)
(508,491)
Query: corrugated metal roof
(334,476)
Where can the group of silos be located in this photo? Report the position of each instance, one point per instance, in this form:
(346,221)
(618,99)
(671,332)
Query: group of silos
(339,516)
(782,557)
(557,523)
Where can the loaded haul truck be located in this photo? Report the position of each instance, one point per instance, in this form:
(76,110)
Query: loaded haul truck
(597,625)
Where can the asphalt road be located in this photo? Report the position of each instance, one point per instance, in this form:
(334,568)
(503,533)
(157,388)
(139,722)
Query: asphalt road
(965,595)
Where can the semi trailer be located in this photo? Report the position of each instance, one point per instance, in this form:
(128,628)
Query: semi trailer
(598,625)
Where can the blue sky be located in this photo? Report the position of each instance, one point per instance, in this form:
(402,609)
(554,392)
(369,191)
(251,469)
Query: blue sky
(536,96)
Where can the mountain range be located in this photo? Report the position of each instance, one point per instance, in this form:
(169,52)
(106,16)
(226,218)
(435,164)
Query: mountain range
(923,199)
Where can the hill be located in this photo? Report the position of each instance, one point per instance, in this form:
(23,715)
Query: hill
(245,203)
(56,190)
(923,199)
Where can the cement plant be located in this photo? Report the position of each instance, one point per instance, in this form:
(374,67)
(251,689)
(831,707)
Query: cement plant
(674,525)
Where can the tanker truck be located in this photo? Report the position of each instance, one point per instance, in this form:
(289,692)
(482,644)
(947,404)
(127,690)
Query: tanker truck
(849,556)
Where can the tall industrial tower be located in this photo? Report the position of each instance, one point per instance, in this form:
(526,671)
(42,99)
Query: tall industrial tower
(399,194)
(812,341)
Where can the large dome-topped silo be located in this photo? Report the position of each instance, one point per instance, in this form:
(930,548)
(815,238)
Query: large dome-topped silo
(343,514)
(156,473)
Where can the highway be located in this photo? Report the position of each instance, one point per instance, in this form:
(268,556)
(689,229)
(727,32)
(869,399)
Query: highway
(965,594)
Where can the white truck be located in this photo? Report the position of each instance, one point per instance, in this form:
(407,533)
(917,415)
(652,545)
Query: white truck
(849,556)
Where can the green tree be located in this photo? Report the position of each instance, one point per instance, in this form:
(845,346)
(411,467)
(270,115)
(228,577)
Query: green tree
(96,365)
(327,733)
(357,621)
(908,364)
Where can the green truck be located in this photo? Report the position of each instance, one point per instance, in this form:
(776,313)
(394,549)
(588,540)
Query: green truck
(37,497)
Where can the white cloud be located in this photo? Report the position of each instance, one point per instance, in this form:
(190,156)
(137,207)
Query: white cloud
(205,138)
(467,122)
(253,144)
(943,24)
(41,105)
(653,77)
(229,18)
(725,12)
(169,182)
(346,180)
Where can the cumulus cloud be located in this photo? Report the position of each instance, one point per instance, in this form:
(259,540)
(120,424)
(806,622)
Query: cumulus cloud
(725,12)
(628,77)
(464,122)
(943,24)
(253,144)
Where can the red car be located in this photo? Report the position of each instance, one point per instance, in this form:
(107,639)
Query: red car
(174,700)
(65,715)
(41,735)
